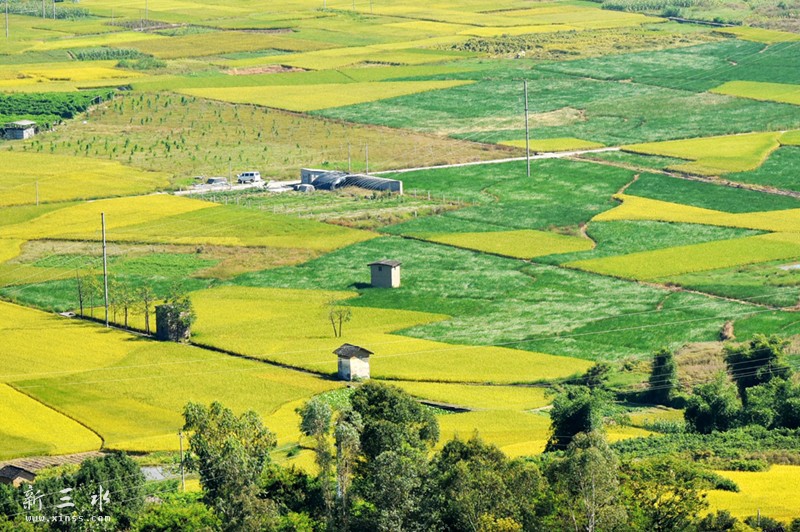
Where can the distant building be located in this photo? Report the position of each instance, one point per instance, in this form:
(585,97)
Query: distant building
(15,476)
(385,273)
(19,130)
(353,362)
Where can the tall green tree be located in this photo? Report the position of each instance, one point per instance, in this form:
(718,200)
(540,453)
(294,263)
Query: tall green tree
(665,493)
(757,362)
(576,409)
(587,484)
(347,435)
(315,421)
(713,406)
(230,453)
(472,482)
(663,381)
(392,419)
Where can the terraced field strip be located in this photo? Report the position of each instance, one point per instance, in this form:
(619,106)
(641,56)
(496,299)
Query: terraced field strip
(522,244)
(714,155)
(478,397)
(759,90)
(310,98)
(638,208)
(649,265)
(129,390)
(30,429)
(762,35)
(771,493)
(240,318)
(168,219)
(63,177)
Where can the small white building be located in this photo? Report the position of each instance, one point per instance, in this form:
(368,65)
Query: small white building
(19,130)
(385,273)
(353,362)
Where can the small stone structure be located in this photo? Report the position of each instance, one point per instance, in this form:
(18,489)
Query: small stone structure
(168,325)
(385,273)
(15,476)
(353,362)
(19,130)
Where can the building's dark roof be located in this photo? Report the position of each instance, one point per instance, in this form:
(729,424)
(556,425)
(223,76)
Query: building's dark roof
(350,351)
(386,262)
(12,472)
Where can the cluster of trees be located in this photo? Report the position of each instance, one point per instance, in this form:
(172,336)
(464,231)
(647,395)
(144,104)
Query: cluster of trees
(377,471)
(123,300)
(35,8)
(756,390)
(62,104)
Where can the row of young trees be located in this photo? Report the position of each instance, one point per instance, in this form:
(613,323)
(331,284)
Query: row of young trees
(123,299)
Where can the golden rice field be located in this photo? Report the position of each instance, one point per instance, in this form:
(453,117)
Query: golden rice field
(758,90)
(292,327)
(479,397)
(554,145)
(648,265)
(63,177)
(129,390)
(762,35)
(638,208)
(216,43)
(168,219)
(309,99)
(791,138)
(522,244)
(515,433)
(9,248)
(714,155)
(773,493)
(31,429)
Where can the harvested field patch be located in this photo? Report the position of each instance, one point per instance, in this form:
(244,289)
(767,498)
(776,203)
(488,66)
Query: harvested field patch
(337,95)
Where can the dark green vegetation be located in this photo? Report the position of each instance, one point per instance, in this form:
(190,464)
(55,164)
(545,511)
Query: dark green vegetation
(708,195)
(559,194)
(49,108)
(33,8)
(614,99)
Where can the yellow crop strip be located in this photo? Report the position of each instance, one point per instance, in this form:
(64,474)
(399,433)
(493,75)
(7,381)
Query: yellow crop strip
(63,177)
(31,429)
(760,34)
(516,433)
(715,155)
(292,327)
(315,97)
(522,244)
(772,493)
(479,397)
(695,258)
(758,90)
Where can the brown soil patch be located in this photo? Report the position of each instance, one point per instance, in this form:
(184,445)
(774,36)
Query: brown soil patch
(699,363)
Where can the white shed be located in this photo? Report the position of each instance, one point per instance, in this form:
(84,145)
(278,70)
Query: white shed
(385,273)
(353,362)
(20,130)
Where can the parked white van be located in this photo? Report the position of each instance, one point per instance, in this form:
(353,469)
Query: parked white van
(249,177)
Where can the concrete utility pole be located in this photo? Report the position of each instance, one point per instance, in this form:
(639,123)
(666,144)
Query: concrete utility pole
(366,152)
(349,160)
(527,131)
(105,264)
(183,475)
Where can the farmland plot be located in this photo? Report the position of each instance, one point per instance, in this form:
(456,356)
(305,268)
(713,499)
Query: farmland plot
(767,493)
(523,244)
